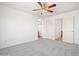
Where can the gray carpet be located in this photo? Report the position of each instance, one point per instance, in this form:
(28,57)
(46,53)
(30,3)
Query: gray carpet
(42,47)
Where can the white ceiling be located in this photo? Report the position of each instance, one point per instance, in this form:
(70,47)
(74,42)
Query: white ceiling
(27,7)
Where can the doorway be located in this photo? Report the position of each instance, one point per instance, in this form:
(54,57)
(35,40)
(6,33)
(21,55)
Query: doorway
(58,29)
(39,24)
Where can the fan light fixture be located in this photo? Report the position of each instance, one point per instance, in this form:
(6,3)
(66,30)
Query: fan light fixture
(44,7)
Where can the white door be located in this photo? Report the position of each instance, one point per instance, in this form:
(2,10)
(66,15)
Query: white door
(58,29)
(76,28)
(68,29)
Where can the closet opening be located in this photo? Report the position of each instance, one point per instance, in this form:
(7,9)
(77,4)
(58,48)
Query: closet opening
(58,30)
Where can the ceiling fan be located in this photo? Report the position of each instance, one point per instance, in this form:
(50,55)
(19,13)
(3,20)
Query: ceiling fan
(44,8)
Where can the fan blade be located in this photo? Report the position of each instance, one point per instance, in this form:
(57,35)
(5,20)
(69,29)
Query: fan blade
(40,4)
(53,5)
(35,9)
(50,11)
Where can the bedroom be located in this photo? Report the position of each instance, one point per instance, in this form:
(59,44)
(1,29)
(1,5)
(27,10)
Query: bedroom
(20,28)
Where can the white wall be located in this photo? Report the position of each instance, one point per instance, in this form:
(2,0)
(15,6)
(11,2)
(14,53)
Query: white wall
(16,27)
(49,30)
(76,29)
